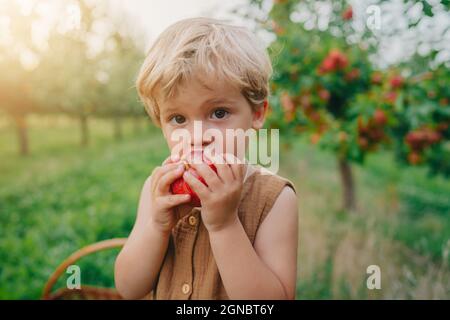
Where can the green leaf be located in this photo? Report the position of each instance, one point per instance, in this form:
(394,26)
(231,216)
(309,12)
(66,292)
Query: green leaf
(427,8)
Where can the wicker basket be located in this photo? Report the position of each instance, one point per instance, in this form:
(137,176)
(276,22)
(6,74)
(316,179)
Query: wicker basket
(85,292)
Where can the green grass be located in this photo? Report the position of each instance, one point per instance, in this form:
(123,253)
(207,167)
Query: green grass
(63,197)
(69,198)
(423,216)
(408,238)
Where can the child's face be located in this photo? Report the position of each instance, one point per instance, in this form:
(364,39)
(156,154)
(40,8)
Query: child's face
(218,105)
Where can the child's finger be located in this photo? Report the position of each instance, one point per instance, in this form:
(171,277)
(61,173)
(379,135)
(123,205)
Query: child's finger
(238,169)
(196,185)
(211,178)
(173,158)
(174,200)
(223,168)
(169,177)
(234,163)
(160,171)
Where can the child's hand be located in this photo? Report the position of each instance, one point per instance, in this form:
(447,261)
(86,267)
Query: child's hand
(220,199)
(164,215)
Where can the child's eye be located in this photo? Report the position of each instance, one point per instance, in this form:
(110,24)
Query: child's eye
(220,113)
(178,119)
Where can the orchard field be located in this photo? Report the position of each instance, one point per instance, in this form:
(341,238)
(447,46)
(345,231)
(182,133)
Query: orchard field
(360,92)
(60,199)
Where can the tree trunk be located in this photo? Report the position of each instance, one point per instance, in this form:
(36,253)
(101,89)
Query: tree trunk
(84,126)
(348,187)
(118,134)
(22,134)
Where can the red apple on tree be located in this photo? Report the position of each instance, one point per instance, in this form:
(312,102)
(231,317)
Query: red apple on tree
(396,81)
(380,117)
(348,13)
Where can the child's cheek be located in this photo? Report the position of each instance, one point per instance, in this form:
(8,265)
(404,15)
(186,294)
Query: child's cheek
(171,142)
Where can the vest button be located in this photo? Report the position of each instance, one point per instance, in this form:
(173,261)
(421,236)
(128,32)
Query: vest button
(192,220)
(185,288)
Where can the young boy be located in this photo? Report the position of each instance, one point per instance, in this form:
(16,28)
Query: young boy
(242,242)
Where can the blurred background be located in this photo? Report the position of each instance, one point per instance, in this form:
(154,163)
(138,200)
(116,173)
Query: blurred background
(360,93)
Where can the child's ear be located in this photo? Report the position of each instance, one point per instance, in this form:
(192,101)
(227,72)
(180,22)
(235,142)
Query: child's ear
(259,115)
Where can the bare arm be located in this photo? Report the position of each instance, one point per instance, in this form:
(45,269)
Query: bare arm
(138,264)
(269,269)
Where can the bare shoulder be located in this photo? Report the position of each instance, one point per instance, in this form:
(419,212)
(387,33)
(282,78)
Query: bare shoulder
(285,208)
(287,197)
(276,240)
(282,219)
(285,205)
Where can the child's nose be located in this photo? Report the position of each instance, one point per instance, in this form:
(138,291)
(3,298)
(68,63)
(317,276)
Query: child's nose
(197,142)
(198,138)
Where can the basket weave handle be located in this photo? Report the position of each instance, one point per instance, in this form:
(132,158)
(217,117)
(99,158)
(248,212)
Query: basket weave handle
(98,246)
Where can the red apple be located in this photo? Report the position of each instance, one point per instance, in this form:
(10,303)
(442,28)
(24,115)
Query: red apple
(376,78)
(380,117)
(335,60)
(340,59)
(363,143)
(414,158)
(396,81)
(328,65)
(348,13)
(324,94)
(180,186)
(432,136)
(391,97)
(352,74)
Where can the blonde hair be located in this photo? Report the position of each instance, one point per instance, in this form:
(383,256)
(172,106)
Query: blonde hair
(207,46)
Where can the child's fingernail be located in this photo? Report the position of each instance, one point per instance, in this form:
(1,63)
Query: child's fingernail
(175,157)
